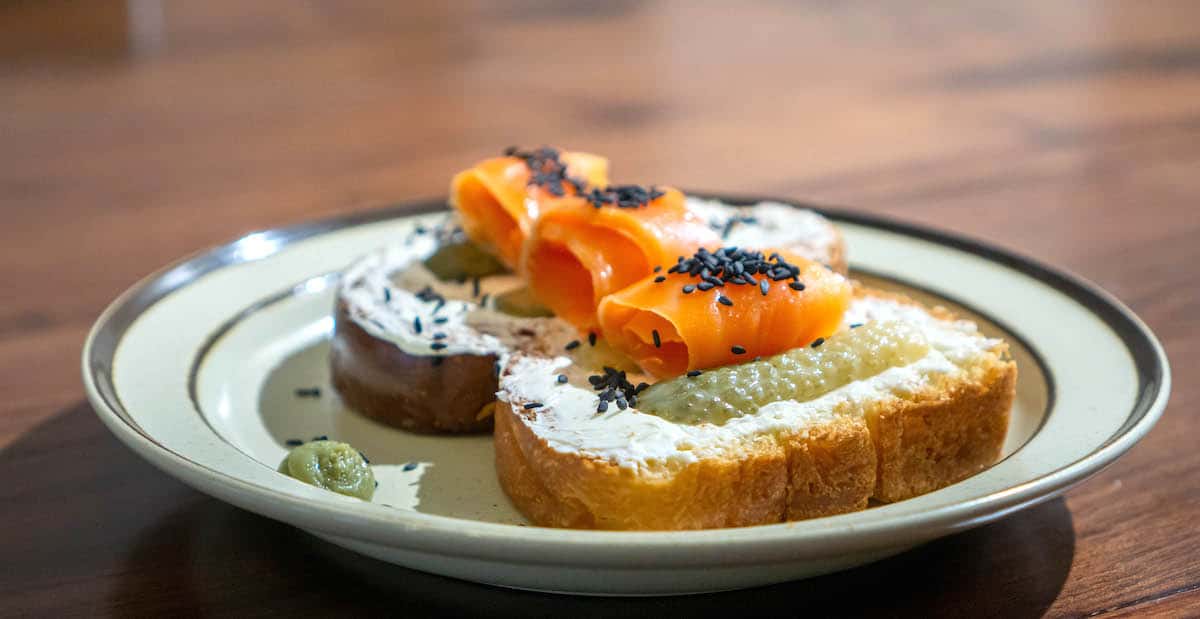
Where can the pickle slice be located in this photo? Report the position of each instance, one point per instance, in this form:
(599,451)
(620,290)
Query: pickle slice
(333,466)
(720,394)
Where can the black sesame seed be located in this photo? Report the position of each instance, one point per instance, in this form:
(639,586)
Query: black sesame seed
(532,405)
(738,350)
(562,378)
(660,279)
(694,373)
(572,345)
(622,403)
(364,457)
(640,387)
(657,339)
(322,437)
(495,368)
(439,336)
(308,392)
(856,325)
(410,466)
(688,289)
(704,286)
(658,269)
(817,342)
(724,300)
(438,345)
(387,295)
(764,286)
(796,286)
(293,442)
(591,338)
(417,325)
(602,406)
(440,320)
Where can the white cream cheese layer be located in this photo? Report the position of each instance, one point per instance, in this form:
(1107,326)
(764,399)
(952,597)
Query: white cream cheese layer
(569,423)
(770,224)
(382,292)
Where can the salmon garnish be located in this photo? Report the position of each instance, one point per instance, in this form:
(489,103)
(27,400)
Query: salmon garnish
(497,199)
(721,308)
(584,248)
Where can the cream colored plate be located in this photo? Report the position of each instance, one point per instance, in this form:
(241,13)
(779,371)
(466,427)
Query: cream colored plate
(196,368)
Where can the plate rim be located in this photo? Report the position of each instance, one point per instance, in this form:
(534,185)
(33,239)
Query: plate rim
(441,534)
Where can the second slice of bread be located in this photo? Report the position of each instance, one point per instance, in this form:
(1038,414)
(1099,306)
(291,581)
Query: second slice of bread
(905,432)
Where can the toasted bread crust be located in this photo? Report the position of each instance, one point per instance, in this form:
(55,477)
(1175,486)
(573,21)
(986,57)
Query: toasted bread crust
(902,448)
(945,435)
(830,472)
(378,379)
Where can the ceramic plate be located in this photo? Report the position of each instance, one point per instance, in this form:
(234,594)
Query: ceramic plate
(196,368)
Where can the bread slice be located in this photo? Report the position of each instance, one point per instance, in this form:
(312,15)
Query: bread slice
(904,432)
(419,353)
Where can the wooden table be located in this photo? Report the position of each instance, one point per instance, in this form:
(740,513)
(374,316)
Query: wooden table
(134,133)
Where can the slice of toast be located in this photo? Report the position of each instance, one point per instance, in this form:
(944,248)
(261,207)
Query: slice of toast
(907,431)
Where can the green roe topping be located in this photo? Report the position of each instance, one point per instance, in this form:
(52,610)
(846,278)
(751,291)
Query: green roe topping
(802,374)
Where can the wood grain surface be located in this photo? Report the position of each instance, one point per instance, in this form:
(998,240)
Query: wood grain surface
(133,133)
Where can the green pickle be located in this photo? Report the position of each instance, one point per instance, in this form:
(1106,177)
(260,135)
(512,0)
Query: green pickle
(520,302)
(459,260)
(333,466)
(802,374)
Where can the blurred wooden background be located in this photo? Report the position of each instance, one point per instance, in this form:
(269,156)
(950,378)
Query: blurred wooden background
(132,133)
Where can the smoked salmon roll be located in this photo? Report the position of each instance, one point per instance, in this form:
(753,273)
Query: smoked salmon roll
(724,307)
(587,247)
(497,199)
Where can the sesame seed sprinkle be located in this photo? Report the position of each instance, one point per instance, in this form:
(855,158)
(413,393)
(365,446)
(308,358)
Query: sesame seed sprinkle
(694,373)
(613,386)
(562,379)
(572,345)
(438,345)
(660,279)
(737,350)
(817,342)
(724,300)
(657,339)
(308,392)
(547,170)
(532,405)
(796,286)
(417,325)
(591,338)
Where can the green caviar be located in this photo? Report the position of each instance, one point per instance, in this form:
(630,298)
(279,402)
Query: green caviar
(332,466)
(520,302)
(802,374)
(462,260)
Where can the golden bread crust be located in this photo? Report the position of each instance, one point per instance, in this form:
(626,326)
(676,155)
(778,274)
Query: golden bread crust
(832,471)
(901,448)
